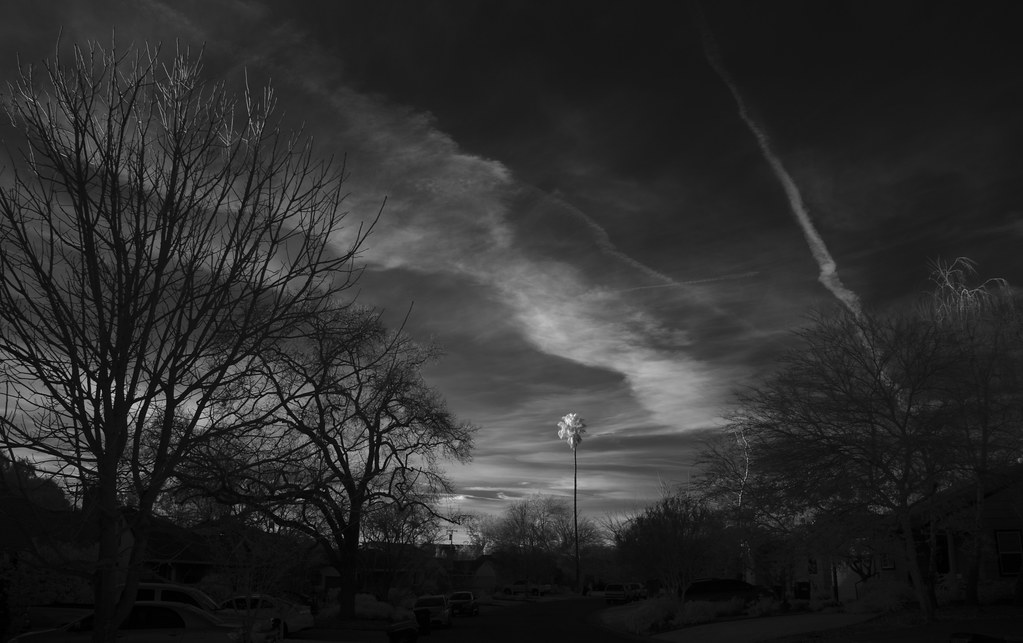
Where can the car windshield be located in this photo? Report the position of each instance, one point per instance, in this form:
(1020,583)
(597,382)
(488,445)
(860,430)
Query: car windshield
(461,596)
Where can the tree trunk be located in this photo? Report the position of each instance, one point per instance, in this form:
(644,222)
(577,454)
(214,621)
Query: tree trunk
(575,512)
(976,552)
(347,568)
(916,576)
(106,577)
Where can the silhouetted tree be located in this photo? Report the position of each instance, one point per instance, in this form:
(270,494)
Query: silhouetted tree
(355,426)
(158,234)
(983,395)
(397,531)
(858,406)
(675,540)
(534,534)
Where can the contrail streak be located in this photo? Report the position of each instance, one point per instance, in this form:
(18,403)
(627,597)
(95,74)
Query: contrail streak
(828,269)
(693,282)
(603,241)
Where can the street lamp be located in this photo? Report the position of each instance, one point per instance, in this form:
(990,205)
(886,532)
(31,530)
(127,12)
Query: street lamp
(570,429)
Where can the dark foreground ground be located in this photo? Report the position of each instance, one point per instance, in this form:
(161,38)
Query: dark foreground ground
(1000,622)
(568,620)
(553,620)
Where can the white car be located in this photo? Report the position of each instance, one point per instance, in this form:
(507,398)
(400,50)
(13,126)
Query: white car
(437,606)
(290,616)
(188,595)
(151,622)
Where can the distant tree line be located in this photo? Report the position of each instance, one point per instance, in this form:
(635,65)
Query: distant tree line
(533,539)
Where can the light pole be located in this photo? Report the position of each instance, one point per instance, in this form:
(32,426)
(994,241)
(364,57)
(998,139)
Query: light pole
(571,428)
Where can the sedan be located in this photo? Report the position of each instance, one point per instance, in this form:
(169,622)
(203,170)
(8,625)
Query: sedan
(151,622)
(437,605)
(260,607)
(464,603)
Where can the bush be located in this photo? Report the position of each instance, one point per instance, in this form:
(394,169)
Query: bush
(733,607)
(367,606)
(763,606)
(883,596)
(997,591)
(653,615)
(695,612)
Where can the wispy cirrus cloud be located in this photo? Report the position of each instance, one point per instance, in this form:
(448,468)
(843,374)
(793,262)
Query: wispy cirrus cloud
(452,212)
(552,271)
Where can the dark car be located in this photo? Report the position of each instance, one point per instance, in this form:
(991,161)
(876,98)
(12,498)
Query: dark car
(725,589)
(464,603)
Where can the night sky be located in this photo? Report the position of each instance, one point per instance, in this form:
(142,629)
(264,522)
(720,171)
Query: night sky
(579,215)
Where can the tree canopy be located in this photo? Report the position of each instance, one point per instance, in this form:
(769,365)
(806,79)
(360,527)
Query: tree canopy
(160,232)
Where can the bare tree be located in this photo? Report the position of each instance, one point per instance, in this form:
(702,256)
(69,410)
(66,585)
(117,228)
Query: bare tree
(983,396)
(158,233)
(858,407)
(536,536)
(396,531)
(675,540)
(355,427)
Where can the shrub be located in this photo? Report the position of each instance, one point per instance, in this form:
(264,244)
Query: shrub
(799,605)
(695,612)
(998,591)
(763,606)
(733,607)
(653,615)
(883,596)
(367,606)
(401,597)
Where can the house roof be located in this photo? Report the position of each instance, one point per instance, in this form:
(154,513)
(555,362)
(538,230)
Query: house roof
(963,495)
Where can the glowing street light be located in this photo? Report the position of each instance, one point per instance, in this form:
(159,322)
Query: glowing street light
(570,429)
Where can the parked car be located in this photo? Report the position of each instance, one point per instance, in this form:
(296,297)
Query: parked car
(464,603)
(615,593)
(259,607)
(522,587)
(437,604)
(724,589)
(187,595)
(152,622)
(172,592)
(635,591)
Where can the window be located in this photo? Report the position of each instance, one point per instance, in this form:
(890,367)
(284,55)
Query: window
(1009,545)
(179,597)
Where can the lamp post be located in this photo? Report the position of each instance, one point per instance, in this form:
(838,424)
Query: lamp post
(570,429)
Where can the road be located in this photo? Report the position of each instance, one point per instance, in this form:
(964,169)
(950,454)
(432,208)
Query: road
(543,621)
